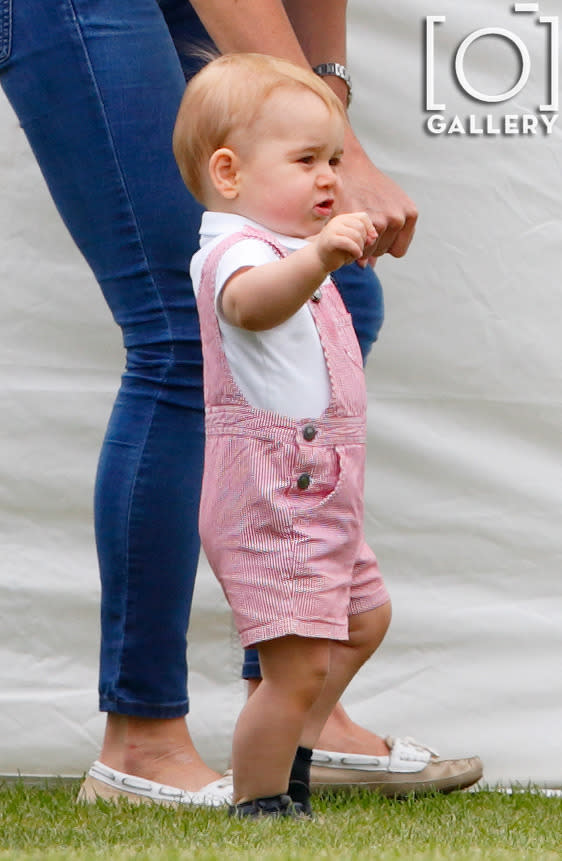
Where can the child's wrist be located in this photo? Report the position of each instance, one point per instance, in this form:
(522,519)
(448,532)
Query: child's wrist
(324,268)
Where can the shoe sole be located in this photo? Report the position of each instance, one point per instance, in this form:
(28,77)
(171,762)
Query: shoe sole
(443,776)
(93,789)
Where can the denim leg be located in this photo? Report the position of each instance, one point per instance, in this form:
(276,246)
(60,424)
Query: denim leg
(146,505)
(361,291)
(96,85)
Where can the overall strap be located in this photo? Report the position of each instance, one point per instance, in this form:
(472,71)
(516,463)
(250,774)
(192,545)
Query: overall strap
(220,386)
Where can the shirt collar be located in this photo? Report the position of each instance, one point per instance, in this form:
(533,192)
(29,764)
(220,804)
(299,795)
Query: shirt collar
(214,224)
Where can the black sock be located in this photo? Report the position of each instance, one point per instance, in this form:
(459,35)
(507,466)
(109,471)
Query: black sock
(299,780)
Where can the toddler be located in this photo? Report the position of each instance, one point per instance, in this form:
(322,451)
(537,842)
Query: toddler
(259,142)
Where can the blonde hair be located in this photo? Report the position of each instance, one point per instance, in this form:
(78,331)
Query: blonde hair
(227,95)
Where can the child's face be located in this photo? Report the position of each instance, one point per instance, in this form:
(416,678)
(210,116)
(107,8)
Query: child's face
(288,179)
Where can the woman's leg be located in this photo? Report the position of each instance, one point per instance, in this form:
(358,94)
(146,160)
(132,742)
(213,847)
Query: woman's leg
(361,291)
(96,85)
(148,478)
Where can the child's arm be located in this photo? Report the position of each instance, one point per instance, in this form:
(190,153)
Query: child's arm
(262,297)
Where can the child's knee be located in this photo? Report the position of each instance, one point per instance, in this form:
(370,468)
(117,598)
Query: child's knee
(379,625)
(385,618)
(367,630)
(311,677)
(296,666)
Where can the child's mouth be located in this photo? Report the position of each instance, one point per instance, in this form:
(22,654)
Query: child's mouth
(324,208)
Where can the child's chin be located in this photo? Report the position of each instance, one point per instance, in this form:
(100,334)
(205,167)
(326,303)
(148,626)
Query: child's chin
(317,227)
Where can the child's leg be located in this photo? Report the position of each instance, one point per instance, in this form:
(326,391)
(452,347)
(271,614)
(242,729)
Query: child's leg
(366,633)
(267,733)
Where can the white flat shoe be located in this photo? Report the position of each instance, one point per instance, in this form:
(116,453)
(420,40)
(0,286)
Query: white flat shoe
(410,767)
(107,783)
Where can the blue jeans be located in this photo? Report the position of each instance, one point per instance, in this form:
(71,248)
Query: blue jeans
(96,85)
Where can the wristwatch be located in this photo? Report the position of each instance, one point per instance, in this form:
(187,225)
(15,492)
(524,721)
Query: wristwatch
(338,71)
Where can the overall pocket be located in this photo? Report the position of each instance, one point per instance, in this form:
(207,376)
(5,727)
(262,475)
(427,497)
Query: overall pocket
(5,30)
(315,478)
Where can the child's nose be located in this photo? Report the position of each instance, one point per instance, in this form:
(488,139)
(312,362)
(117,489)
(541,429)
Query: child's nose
(327,176)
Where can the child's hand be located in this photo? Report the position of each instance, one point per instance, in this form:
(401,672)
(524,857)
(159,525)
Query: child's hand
(344,239)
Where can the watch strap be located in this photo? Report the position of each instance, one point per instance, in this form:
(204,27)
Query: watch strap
(338,71)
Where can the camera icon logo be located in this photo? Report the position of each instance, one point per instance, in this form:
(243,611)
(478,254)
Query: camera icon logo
(547,113)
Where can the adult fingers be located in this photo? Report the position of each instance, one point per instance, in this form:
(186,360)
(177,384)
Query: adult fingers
(395,231)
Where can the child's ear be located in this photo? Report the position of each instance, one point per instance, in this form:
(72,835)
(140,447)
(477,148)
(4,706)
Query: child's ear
(224,167)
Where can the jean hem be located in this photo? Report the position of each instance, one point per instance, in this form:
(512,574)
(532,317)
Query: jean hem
(146,710)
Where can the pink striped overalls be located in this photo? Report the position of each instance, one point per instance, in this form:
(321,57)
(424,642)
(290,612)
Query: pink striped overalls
(281,515)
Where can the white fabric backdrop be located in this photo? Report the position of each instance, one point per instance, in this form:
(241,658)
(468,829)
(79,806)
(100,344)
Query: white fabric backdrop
(464,480)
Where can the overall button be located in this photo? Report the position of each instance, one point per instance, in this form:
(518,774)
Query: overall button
(317,295)
(309,432)
(303,481)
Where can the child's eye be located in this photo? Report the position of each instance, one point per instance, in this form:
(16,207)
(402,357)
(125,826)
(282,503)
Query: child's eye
(335,161)
(306,159)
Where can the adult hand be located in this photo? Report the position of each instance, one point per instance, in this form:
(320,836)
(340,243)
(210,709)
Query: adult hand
(390,209)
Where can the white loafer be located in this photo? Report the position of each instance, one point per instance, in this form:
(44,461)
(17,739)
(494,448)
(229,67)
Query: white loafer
(409,767)
(107,783)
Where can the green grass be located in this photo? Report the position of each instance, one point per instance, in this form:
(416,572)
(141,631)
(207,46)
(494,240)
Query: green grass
(45,823)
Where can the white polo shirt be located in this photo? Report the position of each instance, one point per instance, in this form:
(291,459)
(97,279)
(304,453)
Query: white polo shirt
(281,369)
